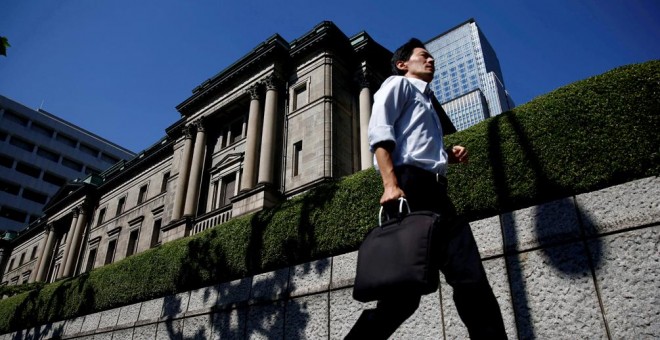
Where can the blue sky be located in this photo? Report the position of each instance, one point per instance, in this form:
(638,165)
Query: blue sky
(118,68)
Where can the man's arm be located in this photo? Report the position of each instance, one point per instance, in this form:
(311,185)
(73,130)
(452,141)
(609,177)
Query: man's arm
(391,189)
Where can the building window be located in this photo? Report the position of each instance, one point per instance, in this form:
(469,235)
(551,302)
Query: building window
(142,195)
(120,206)
(101,217)
(54,179)
(89,150)
(71,164)
(64,139)
(110,255)
(163,184)
(108,158)
(6,161)
(34,253)
(300,96)
(42,130)
(156,233)
(228,187)
(223,139)
(215,187)
(53,274)
(133,239)
(11,265)
(9,187)
(21,143)
(34,196)
(13,214)
(29,170)
(236,131)
(16,118)
(20,262)
(91,171)
(47,154)
(26,277)
(297,154)
(91,258)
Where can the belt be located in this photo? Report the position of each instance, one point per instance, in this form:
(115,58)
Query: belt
(422,174)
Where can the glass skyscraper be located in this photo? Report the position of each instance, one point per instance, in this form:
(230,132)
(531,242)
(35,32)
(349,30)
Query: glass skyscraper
(468,80)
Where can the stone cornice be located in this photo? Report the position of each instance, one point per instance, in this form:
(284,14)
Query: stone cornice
(324,35)
(268,50)
(145,159)
(374,59)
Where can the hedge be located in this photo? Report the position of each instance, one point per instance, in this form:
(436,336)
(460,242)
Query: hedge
(582,137)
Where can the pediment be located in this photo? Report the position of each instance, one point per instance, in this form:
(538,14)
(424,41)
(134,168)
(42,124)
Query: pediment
(64,192)
(228,160)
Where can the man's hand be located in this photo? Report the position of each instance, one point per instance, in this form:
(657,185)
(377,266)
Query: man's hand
(458,154)
(391,194)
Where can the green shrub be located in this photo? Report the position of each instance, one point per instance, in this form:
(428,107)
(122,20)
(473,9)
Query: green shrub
(585,136)
(582,137)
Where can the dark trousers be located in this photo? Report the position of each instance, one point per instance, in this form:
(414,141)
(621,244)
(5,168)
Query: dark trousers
(459,262)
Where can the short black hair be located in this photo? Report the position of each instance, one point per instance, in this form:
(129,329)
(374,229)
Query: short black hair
(403,53)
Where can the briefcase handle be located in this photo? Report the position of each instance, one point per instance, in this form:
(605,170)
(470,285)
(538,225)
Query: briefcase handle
(402,200)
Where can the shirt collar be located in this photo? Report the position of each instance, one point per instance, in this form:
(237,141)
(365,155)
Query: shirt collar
(421,85)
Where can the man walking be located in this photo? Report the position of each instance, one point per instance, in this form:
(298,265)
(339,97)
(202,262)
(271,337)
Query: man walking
(405,134)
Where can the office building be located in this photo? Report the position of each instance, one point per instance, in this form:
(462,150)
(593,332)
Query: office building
(468,80)
(39,153)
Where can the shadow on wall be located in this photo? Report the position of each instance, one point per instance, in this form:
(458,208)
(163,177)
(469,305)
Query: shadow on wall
(54,331)
(80,300)
(255,306)
(557,229)
(245,307)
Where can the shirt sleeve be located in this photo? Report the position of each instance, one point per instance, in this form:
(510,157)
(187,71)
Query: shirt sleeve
(389,104)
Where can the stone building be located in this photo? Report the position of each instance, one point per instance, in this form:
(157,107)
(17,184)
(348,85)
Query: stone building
(283,118)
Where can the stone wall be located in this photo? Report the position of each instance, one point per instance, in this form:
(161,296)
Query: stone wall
(581,267)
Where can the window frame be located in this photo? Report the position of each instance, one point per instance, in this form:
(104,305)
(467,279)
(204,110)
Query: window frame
(143,194)
(121,206)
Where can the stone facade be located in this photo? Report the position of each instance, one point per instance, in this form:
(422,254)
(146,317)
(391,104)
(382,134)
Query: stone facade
(282,119)
(551,283)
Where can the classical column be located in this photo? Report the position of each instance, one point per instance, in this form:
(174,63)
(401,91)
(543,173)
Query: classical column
(46,253)
(40,257)
(366,157)
(68,241)
(267,157)
(192,196)
(182,180)
(253,140)
(75,242)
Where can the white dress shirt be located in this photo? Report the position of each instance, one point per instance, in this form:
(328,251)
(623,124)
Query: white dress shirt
(403,113)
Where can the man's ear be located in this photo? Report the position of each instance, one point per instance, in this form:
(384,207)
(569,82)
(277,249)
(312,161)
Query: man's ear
(402,65)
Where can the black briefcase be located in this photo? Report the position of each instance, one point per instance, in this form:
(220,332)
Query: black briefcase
(397,257)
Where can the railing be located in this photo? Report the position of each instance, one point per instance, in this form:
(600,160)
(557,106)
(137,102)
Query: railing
(212,219)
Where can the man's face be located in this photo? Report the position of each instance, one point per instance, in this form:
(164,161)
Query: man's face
(420,65)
